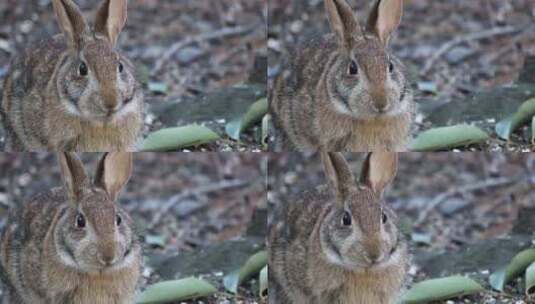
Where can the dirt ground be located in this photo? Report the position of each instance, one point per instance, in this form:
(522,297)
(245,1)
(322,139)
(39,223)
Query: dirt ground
(489,41)
(186,202)
(158,38)
(476,198)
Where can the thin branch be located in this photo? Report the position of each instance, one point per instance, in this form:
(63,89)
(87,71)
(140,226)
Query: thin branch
(222,33)
(497,31)
(194,192)
(465,189)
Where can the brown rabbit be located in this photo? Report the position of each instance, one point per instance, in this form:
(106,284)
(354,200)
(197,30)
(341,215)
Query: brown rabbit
(73,244)
(75,91)
(339,244)
(346,92)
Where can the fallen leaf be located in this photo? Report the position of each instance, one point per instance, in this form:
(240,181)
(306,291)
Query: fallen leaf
(523,115)
(448,137)
(518,264)
(177,138)
(173,291)
(251,267)
(254,114)
(441,289)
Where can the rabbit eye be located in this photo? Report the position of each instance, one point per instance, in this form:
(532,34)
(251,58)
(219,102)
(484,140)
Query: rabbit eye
(346,219)
(120,67)
(391,67)
(82,69)
(119,220)
(384,218)
(353,68)
(80,221)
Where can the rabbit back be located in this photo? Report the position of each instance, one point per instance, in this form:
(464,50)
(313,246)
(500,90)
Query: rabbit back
(22,244)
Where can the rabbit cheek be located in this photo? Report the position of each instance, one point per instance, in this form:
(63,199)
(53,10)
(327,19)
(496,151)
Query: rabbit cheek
(71,90)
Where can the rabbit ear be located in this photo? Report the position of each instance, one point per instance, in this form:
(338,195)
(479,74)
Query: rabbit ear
(379,170)
(111,19)
(113,172)
(385,18)
(343,22)
(338,173)
(73,175)
(71,21)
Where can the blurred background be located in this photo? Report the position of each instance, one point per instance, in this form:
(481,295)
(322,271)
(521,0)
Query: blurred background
(199,61)
(199,214)
(459,54)
(465,213)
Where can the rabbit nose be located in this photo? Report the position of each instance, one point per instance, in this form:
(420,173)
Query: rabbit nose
(107,255)
(380,101)
(381,104)
(107,258)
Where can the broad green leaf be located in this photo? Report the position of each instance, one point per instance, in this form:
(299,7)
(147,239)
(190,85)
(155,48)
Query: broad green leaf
(530,280)
(447,138)
(253,115)
(174,291)
(518,264)
(523,115)
(265,131)
(253,265)
(157,87)
(427,86)
(155,240)
(179,137)
(441,289)
(533,131)
(264,282)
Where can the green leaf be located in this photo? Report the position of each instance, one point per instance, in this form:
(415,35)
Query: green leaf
(265,131)
(253,265)
(155,240)
(253,115)
(179,137)
(157,87)
(448,137)
(518,264)
(523,115)
(530,280)
(179,290)
(263,282)
(441,289)
(533,131)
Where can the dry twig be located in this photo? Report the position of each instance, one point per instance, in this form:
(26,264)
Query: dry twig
(194,192)
(465,189)
(497,31)
(222,33)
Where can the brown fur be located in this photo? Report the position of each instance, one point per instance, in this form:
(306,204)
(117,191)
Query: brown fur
(303,98)
(300,269)
(37,115)
(34,271)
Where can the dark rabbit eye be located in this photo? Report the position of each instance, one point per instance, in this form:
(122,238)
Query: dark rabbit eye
(353,68)
(391,67)
(120,67)
(119,220)
(346,219)
(384,218)
(80,221)
(83,69)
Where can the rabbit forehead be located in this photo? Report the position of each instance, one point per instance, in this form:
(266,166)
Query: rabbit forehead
(96,201)
(101,58)
(366,207)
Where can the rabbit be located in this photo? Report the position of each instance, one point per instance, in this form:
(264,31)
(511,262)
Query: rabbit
(76,91)
(73,244)
(339,243)
(345,91)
